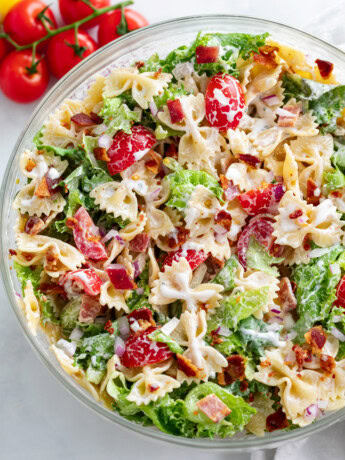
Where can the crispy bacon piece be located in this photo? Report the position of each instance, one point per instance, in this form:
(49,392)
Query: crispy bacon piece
(33,225)
(154,164)
(213,408)
(96,118)
(52,257)
(81,119)
(302,355)
(206,54)
(176,111)
(316,337)
(215,339)
(51,288)
(325,68)
(178,240)
(157,74)
(30,165)
(286,295)
(101,154)
(171,151)
(119,277)
(296,214)
(251,160)
(285,121)
(231,191)
(266,56)
(186,366)
(142,314)
(313,193)
(224,219)
(90,309)
(276,421)
(327,363)
(42,190)
(234,371)
(140,242)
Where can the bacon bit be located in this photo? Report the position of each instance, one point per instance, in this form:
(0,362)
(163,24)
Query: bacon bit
(101,154)
(286,295)
(107,325)
(325,68)
(213,408)
(33,225)
(71,222)
(215,263)
(171,151)
(336,194)
(234,371)
(206,54)
(327,363)
(175,110)
(224,182)
(276,421)
(52,257)
(141,217)
(144,324)
(306,243)
(90,309)
(65,125)
(142,314)
(215,339)
(224,219)
(180,239)
(157,74)
(12,252)
(265,363)
(295,214)
(251,160)
(30,165)
(251,397)
(186,366)
(51,288)
(81,119)
(286,121)
(311,197)
(139,64)
(316,337)
(96,118)
(140,242)
(42,190)
(27,256)
(231,191)
(244,386)
(302,355)
(266,56)
(152,166)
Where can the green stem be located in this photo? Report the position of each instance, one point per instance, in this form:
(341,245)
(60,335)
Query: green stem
(52,33)
(88,3)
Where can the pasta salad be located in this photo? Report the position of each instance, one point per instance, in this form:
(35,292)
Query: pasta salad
(180,238)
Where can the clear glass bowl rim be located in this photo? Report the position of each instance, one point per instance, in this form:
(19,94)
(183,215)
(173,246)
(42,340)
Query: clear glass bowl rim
(231,445)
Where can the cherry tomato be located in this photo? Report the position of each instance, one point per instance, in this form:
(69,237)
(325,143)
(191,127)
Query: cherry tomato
(341,293)
(62,57)
(4,48)
(109,24)
(74,10)
(224,102)
(194,258)
(140,350)
(23,24)
(17,83)
(81,280)
(126,149)
(262,199)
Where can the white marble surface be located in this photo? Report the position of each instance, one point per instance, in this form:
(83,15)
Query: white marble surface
(38,418)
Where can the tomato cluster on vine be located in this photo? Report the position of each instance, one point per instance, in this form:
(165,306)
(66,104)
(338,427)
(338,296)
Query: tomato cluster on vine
(32,47)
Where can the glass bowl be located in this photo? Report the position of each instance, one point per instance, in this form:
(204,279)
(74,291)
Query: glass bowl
(139,45)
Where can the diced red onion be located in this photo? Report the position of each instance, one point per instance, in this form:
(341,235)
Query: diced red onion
(291,335)
(154,195)
(311,412)
(18,295)
(290,357)
(153,108)
(139,264)
(337,334)
(119,346)
(105,141)
(271,100)
(113,234)
(139,291)
(219,229)
(221,239)
(275,310)
(68,347)
(322,404)
(123,326)
(76,334)
(224,331)
(285,113)
(270,177)
(216,331)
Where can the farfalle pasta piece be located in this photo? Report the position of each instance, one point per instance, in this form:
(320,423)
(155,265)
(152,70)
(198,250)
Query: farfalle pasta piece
(246,177)
(174,284)
(130,231)
(35,165)
(150,382)
(112,297)
(238,218)
(263,406)
(158,222)
(57,257)
(191,333)
(144,85)
(261,83)
(31,308)
(290,172)
(200,211)
(220,249)
(94,95)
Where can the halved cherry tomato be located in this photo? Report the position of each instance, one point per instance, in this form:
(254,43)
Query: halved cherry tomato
(140,350)
(340,302)
(86,235)
(63,54)
(194,258)
(110,25)
(224,102)
(126,149)
(80,281)
(262,199)
(74,10)
(23,24)
(17,83)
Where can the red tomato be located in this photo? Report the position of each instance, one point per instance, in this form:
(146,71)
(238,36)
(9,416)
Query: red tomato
(23,25)
(262,199)
(62,57)
(86,235)
(224,102)
(4,48)
(109,23)
(16,81)
(194,258)
(126,149)
(74,10)
(140,350)
(81,281)
(341,293)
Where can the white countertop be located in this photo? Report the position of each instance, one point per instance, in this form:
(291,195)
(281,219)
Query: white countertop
(39,419)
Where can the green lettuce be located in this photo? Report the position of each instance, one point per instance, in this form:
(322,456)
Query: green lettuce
(226,276)
(249,331)
(117,389)
(171,93)
(336,178)
(260,259)
(135,300)
(183,182)
(118,116)
(316,287)
(94,352)
(69,315)
(159,336)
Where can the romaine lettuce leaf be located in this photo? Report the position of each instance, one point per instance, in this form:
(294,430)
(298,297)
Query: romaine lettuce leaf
(95,350)
(118,116)
(70,314)
(226,276)
(183,182)
(256,335)
(117,389)
(171,93)
(260,259)
(302,89)
(336,179)
(159,336)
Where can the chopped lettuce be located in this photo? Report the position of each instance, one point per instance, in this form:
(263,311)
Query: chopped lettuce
(70,314)
(183,182)
(226,276)
(171,93)
(95,351)
(336,178)
(302,89)
(159,336)
(254,387)
(260,259)
(117,389)
(118,116)
(316,287)
(135,300)
(256,335)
